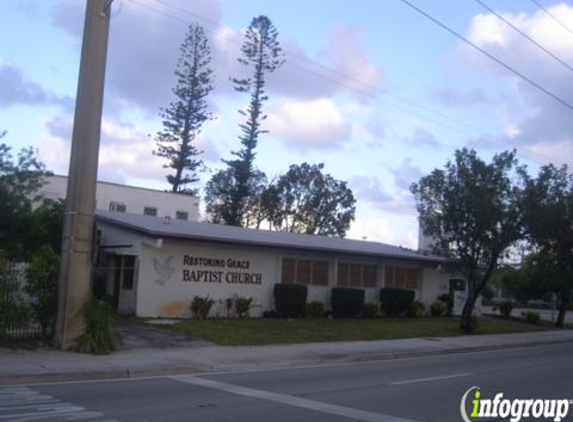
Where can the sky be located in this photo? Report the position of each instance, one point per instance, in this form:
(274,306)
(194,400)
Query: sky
(373,89)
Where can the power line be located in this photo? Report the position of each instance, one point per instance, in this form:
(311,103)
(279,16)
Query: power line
(515,28)
(373,96)
(329,70)
(552,16)
(489,55)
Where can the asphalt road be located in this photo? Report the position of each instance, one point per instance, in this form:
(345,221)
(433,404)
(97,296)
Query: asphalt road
(425,389)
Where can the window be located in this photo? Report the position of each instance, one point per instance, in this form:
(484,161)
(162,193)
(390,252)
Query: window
(403,278)
(125,270)
(304,271)
(288,269)
(182,215)
(150,211)
(117,206)
(356,275)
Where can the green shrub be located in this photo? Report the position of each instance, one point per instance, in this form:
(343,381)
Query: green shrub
(394,302)
(346,302)
(439,309)
(532,317)
(449,301)
(370,310)
(505,308)
(416,309)
(242,306)
(42,283)
(201,306)
(290,299)
(100,336)
(315,309)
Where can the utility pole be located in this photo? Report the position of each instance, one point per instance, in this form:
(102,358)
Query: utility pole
(76,266)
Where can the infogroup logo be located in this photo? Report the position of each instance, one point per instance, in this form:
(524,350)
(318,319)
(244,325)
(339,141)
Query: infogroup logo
(514,409)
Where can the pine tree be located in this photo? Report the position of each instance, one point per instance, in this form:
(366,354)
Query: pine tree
(183,119)
(262,52)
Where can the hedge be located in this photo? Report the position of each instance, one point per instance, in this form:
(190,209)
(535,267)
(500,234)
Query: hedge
(290,299)
(347,302)
(394,302)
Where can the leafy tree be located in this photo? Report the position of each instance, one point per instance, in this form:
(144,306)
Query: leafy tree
(218,198)
(183,119)
(262,52)
(304,200)
(471,208)
(20,178)
(548,206)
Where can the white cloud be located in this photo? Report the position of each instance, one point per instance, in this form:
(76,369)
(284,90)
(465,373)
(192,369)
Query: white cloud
(374,229)
(308,124)
(125,152)
(542,128)
(372,190)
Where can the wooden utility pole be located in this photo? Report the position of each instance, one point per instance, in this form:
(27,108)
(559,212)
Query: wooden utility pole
(76,267)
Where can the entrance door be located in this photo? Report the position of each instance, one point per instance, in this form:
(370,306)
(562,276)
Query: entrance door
(124,283)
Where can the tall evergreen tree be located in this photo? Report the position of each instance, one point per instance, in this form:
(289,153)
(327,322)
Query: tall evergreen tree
(261,51)
(183,119)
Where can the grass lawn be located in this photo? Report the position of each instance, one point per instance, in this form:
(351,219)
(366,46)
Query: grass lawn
(240,332)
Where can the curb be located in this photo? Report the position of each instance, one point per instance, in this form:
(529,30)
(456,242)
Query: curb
(33,378)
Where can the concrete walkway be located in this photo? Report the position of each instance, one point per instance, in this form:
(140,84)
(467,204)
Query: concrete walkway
(26,366)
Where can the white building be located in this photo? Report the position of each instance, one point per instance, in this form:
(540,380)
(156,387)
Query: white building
(130,199)
(156,266)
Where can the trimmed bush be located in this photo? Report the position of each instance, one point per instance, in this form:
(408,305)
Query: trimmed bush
(416,309)
(370,310)
(449,301)
(315,309)
(201,306)
(439,309)
(532,317)
(394,302)
(505,308)
(290,299)
(346,302)
(243,306)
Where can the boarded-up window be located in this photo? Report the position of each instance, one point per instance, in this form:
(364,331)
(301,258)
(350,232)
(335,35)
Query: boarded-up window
(303,271)
(355,275)
(403,278)
(288,271)
(342,275)
(320,273)
(369,276)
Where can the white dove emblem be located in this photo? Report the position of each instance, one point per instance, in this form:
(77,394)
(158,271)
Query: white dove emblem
(165,270)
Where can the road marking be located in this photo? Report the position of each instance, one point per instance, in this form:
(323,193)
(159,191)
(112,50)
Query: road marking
(295,367)
(317,406)
(20,404)
(443,377)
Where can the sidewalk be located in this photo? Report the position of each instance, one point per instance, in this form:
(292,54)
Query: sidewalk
(21,366)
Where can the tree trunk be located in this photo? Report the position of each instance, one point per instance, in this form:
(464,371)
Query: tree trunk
(466,323)
(564,301)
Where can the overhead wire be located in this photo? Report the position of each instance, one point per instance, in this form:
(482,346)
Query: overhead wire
(342,83)
(489,55)
(552,16)
(530,39)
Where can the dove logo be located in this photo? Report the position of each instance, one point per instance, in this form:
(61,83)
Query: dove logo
(163,269)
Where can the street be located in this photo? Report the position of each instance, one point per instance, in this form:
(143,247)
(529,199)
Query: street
(425,389)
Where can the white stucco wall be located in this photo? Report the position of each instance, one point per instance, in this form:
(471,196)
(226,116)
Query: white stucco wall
(169,274)
(134,198)
(170,277)
(434,283)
